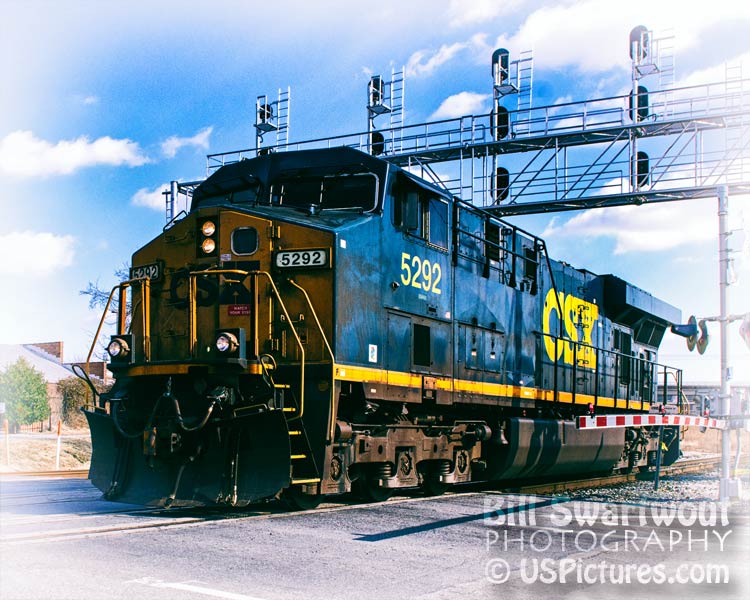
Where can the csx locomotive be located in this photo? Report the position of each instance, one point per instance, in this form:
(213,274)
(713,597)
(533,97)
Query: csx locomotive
(323,319)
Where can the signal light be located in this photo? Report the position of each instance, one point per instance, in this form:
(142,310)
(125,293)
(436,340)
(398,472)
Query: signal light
(591,409)
(641,177)
(502,183)
(502,122)
(501,66)
(702,342)
(376,88)
(377,143)
(639,43)
(638,104)
(265,113)
(689,331)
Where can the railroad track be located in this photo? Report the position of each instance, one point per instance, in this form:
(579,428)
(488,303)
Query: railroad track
(683,467)
(63,474)
(161,518)
(694,465)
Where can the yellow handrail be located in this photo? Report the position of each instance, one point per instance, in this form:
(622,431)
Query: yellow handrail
(682,393)
(194,329)
(121,316)
(332,424)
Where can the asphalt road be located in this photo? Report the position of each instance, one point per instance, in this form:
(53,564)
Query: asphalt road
(58,539)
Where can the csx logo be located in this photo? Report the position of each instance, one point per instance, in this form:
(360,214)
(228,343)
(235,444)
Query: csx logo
(578,319)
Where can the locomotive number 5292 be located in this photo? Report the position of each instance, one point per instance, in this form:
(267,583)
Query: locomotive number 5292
(289,259)
(420,273)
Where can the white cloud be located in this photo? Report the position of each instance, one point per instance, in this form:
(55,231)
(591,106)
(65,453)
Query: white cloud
(462,13)
(464,103)
(172,145)
(33,253)
(593,34)
(424,62)
(650,228)
(153,199)
(23,154)
(89,100)
(718,72)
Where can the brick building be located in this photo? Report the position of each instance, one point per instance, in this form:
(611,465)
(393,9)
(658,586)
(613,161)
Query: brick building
(48,359)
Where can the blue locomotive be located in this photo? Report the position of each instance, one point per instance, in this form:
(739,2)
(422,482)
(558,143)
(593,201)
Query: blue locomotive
(324,320)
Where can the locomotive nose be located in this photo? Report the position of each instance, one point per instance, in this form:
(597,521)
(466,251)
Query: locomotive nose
(248,462)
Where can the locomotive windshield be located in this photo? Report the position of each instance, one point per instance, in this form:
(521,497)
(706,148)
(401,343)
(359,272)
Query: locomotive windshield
(341,191)
(235,190)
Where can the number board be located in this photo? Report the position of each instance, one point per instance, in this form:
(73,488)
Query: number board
(312,258)
(150,271)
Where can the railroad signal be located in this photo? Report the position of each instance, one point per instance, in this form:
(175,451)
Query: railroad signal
(501,67)
(638,104)
(639,43)
(702,342)
(695,332)
(689,331)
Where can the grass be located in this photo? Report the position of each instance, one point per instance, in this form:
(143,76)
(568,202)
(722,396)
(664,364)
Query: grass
(29,453)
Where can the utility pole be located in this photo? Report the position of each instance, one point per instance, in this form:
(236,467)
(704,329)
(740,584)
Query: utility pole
(728,487)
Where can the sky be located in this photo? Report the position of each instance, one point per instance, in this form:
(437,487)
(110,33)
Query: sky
(104,102)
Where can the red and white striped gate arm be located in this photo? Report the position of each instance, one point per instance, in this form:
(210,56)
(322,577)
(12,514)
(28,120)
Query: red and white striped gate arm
(610,421)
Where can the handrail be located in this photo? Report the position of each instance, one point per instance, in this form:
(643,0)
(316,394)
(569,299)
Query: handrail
(121,319)
(332,419)
(122,287)
(698,101)
(660,368)
(193,323)
(678,384)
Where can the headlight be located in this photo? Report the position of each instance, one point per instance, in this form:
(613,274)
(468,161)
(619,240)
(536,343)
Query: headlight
(208,228)
(226,342)
(114,348)
(208,246)
(119,348)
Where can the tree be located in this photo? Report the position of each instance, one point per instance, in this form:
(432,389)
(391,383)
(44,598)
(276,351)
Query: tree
(75,394)
(98,298)
(24,391)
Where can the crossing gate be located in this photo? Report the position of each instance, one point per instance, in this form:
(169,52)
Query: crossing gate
(612,421)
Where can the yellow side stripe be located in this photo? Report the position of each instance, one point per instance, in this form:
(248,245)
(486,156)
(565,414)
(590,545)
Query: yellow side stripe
(400,379)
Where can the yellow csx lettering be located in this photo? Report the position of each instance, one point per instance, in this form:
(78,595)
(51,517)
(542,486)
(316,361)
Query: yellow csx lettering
(578,320)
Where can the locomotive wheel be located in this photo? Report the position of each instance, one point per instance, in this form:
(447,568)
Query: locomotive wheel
(297,500)
(368,489)
(432,486)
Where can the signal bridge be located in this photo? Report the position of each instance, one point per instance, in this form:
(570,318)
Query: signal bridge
(575,155)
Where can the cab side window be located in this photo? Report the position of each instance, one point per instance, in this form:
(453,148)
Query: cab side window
(422,214)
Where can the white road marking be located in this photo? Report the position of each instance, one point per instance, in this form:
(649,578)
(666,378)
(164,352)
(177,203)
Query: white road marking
(188,586)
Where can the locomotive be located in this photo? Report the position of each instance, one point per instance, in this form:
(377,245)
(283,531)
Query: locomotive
(324,320)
